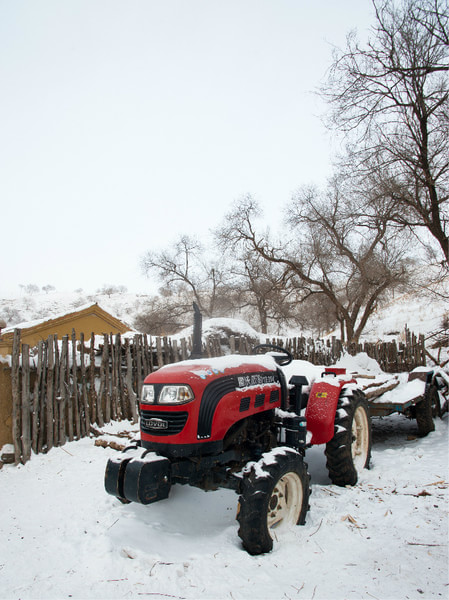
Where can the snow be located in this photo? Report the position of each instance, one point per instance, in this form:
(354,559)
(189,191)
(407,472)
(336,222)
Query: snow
(214,325)
(359,363)
(35,322)
(269,458)
(310,372)
(206,366)
(403,394)
(421,313)
(41,306)
(386,538)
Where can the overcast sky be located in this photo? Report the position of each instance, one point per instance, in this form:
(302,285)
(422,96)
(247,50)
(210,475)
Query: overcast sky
(125,123)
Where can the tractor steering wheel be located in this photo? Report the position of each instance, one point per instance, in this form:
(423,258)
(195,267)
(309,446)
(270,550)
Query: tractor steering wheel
(282,361)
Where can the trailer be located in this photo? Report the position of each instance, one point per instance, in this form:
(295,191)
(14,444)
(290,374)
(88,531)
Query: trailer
(422,394)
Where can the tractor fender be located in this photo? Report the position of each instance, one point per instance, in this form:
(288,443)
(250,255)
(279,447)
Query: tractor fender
(322,407)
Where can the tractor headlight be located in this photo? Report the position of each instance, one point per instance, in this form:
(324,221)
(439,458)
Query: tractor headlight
(175,394)
(168,394)
(147,394)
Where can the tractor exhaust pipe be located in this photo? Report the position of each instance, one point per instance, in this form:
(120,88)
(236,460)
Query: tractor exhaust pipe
(197,344)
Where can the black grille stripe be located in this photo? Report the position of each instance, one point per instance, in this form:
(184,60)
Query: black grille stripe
(260,400)
(274,396)
(244,403)
(212,395)
(176,421)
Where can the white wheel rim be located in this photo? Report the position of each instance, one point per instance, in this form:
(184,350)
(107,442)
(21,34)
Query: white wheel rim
(284,505)
(360,438)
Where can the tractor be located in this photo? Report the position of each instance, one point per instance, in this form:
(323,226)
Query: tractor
(244,423)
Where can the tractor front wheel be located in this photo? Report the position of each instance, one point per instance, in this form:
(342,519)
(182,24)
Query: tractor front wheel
(349,451)
(274,497)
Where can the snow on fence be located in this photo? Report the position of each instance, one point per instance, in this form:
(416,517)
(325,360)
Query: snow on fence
(62,388)
(393,356)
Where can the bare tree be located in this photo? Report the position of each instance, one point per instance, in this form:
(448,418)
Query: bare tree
(48,288)
(392,95)
(186,269)
(109,289)
(317,314)
(349,258)
(30,288)
(164,316)
(260,289)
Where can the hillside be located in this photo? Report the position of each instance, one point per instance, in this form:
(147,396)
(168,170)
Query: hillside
(420,312)
(29,307)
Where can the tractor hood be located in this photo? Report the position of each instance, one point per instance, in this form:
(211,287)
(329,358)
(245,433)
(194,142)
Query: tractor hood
(207,369)
(197,401)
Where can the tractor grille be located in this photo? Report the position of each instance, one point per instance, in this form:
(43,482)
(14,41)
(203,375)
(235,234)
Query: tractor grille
(260,400)
(162,422)
(244,404)
(274,396)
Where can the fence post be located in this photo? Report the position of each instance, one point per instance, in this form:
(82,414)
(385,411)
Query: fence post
(42,395)
(139,366)
(84,394)
(105,379)
(56,397)
(184,353)
(50,390)
(62,398)
(160,360)
(26,406)
(75,388)
(15,374)
(37,386)
(132,397)
(92,390)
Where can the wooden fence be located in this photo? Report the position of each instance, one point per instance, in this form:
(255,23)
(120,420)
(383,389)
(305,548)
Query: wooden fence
(62,387)
(392,356)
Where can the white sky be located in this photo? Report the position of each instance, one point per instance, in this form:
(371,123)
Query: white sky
(125,123)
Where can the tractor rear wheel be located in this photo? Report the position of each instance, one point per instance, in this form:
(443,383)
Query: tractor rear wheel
(349,451)
(274,497)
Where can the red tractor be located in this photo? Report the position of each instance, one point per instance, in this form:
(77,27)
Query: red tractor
(237,422)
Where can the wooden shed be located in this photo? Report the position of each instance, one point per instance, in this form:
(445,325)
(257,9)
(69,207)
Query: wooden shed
(87,319)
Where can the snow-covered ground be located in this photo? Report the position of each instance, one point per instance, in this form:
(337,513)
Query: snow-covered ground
(386,538)
(62,536)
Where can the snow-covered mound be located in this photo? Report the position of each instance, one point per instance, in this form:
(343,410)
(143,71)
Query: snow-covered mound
(223,328)
(361,363)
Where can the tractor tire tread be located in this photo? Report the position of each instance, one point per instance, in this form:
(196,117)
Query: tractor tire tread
(255,492)
(339,462)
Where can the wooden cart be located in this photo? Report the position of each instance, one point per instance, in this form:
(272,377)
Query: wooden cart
(422,395)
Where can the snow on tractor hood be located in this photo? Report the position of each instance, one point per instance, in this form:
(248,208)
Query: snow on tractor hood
(204,368)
